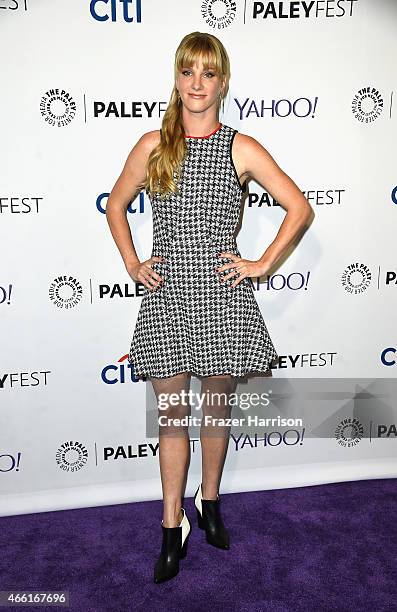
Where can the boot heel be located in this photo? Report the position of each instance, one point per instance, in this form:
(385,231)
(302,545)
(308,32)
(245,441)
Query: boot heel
(200,521)
(183,551)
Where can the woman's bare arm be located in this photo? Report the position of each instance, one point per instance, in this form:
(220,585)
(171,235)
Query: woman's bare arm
(253,160)
(256,162)
(126,188)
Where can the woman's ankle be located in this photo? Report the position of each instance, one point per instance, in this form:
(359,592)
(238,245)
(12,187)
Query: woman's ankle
(209,491)
(172,517)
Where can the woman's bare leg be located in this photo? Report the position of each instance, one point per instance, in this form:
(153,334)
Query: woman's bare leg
(174,447)
(214,438)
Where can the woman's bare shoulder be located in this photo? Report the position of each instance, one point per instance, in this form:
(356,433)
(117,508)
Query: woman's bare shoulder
(249,151)
(139,154)
(244,141)
(149,140)
(243,148)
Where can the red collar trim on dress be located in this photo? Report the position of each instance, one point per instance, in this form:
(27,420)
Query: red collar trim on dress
(208,135)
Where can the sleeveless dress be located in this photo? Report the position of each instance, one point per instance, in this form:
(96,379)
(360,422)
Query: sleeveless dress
(194,322)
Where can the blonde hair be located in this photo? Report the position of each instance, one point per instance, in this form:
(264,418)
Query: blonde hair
(164,162)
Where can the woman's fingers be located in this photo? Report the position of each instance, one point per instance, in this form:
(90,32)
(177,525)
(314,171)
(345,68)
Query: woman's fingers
(238,269)
(150,278)
(239,279)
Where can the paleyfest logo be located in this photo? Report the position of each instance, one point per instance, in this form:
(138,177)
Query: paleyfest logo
(367,104)
(57,107)
(218,14)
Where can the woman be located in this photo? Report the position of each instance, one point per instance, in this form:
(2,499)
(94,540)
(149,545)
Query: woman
(198,314)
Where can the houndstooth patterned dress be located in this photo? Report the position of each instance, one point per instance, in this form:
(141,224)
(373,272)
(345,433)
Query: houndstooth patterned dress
(194,322)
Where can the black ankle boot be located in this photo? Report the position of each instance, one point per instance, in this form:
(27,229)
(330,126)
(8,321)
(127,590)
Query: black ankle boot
(173,548)
(209,518)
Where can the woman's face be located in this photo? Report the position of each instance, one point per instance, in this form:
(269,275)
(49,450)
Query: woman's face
(199,89)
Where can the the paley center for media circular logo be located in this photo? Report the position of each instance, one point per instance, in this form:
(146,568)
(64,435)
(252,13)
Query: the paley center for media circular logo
(367,104)
(71,456)
(57,107)
(218,14)
(356,278)
(349,432)
(65,292)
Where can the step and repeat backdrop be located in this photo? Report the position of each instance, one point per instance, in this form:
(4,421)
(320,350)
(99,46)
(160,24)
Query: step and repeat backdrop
(81,81)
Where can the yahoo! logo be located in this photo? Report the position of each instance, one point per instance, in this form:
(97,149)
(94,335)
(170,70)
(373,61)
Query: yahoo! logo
(5,294)
(269,439)
(104,196)
(9,463)
(294,281)
(301,107)
(118,373)
(103,10)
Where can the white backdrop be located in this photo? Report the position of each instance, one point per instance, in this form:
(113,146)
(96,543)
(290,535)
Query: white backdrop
(81,81)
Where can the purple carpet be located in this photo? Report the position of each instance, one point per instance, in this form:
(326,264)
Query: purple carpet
(319,548)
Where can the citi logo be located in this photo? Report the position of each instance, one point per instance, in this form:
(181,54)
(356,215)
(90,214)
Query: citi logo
(139,203)
(116,10)
(394,195)
(120,372)
(388,356)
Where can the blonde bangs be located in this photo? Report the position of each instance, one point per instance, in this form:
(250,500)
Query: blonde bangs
(199,49)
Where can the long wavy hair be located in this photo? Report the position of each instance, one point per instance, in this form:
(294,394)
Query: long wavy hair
(164,162)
